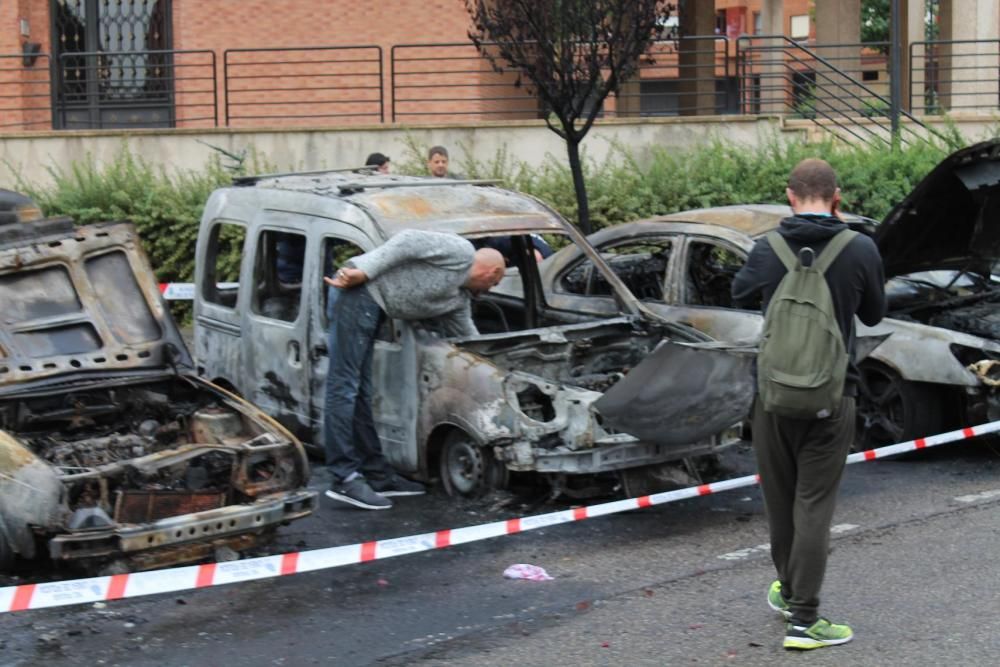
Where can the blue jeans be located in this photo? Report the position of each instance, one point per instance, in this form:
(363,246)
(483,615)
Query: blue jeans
(350,440)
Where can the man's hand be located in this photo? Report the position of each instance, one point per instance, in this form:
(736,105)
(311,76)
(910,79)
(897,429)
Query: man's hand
(346,278)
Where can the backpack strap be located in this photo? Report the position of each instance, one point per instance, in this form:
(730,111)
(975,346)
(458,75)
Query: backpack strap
(782,250)
(833,248)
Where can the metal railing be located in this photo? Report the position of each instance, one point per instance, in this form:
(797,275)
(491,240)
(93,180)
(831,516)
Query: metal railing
(688,76)
(131,89)
(834,84)
(453,81)
(307,85)
(948,75)
(779,75)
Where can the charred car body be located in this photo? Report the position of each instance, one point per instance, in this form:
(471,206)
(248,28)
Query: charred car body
(939,246)
(522,396)
(113,453)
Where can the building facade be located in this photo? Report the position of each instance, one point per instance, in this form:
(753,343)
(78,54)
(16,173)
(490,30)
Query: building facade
(75,64)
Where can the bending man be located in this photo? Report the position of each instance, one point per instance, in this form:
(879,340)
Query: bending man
(416,275)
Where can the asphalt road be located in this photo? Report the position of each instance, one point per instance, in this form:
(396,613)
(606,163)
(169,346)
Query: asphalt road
(912,570)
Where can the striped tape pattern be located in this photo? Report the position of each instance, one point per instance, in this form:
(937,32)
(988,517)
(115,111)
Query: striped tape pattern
(172,580)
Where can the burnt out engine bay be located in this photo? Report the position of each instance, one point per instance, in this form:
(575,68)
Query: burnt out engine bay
(959,301)
(138,453)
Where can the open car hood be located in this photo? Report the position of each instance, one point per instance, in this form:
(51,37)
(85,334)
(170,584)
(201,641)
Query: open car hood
(682,393)
(80,300)
(949,221)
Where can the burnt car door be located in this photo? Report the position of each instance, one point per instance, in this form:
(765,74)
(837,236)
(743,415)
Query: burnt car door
(642,263)
(394,361)
(703,283)
(273,319)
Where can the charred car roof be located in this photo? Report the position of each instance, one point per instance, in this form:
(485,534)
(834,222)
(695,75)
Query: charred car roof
(396,203)
(751,219)
(15,207)
(79,300)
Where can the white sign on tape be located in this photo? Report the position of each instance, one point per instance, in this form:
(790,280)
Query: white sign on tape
(185,291)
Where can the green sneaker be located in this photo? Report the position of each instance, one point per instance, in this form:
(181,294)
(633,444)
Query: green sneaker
(819,634)
(777,601)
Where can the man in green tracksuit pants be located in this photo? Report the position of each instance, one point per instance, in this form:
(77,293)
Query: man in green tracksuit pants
(801,461)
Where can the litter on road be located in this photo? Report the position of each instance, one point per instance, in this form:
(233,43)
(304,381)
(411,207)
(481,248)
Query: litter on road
(525,571)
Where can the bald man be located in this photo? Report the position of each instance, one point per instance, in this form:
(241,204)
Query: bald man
(416,275)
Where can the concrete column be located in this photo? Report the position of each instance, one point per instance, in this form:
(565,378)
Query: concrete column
(837,23)
(773,86)
(968,70)
(696,59)
(913,75)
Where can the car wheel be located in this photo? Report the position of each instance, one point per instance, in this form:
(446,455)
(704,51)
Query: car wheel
(892,410)
(468,469)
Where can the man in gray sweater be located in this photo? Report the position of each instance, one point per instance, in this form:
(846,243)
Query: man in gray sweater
(416,275)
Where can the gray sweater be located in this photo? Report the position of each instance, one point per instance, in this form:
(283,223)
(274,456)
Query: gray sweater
(418,275)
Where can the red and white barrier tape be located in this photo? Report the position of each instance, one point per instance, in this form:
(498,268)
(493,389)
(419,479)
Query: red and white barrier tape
(185,291)
(94,589)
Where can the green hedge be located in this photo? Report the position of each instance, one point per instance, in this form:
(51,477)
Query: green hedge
(166,206)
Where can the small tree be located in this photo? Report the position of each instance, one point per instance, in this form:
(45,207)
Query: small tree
(571,54)
(875,22)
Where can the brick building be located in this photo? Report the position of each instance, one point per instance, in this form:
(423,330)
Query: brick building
(253,63)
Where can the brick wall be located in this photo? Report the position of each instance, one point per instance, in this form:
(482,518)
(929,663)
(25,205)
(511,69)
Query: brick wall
(24,90)
(267,94)
(312,87)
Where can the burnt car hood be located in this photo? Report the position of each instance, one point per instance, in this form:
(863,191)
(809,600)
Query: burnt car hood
(682,393)
(949,221)
(80,301)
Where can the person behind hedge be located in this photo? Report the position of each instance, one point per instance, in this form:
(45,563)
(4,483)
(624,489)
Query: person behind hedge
(437,163)
(379,161)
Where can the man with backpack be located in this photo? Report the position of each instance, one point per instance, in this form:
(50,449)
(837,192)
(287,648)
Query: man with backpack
(812,276)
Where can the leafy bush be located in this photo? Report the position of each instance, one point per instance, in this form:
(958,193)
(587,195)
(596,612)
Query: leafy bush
(717,173)
(166,207)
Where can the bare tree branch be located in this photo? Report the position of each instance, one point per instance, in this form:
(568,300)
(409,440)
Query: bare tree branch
(570,54)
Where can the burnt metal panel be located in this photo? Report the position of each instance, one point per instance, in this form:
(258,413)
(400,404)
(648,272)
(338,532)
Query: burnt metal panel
(145,506)
(681,394)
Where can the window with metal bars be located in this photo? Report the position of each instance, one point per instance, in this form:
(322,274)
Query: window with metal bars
(112,62)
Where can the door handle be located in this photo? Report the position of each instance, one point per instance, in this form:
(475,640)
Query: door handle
(294,352)
(319,351)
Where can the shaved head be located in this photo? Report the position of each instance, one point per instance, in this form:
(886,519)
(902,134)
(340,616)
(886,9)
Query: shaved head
(813,179)
(486,271)
(812,188)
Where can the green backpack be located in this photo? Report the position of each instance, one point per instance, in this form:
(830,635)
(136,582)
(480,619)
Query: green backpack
(802,361)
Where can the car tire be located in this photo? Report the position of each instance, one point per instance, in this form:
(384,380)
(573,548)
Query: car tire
(469,470)
(892,410)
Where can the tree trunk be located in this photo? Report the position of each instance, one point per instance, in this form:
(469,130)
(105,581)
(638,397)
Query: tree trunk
(583,208)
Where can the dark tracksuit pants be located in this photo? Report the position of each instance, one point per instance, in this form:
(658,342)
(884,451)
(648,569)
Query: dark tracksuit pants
(800,462)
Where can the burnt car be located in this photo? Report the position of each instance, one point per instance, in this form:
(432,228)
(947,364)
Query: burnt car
(114,454)
(938,245)
(540,390)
